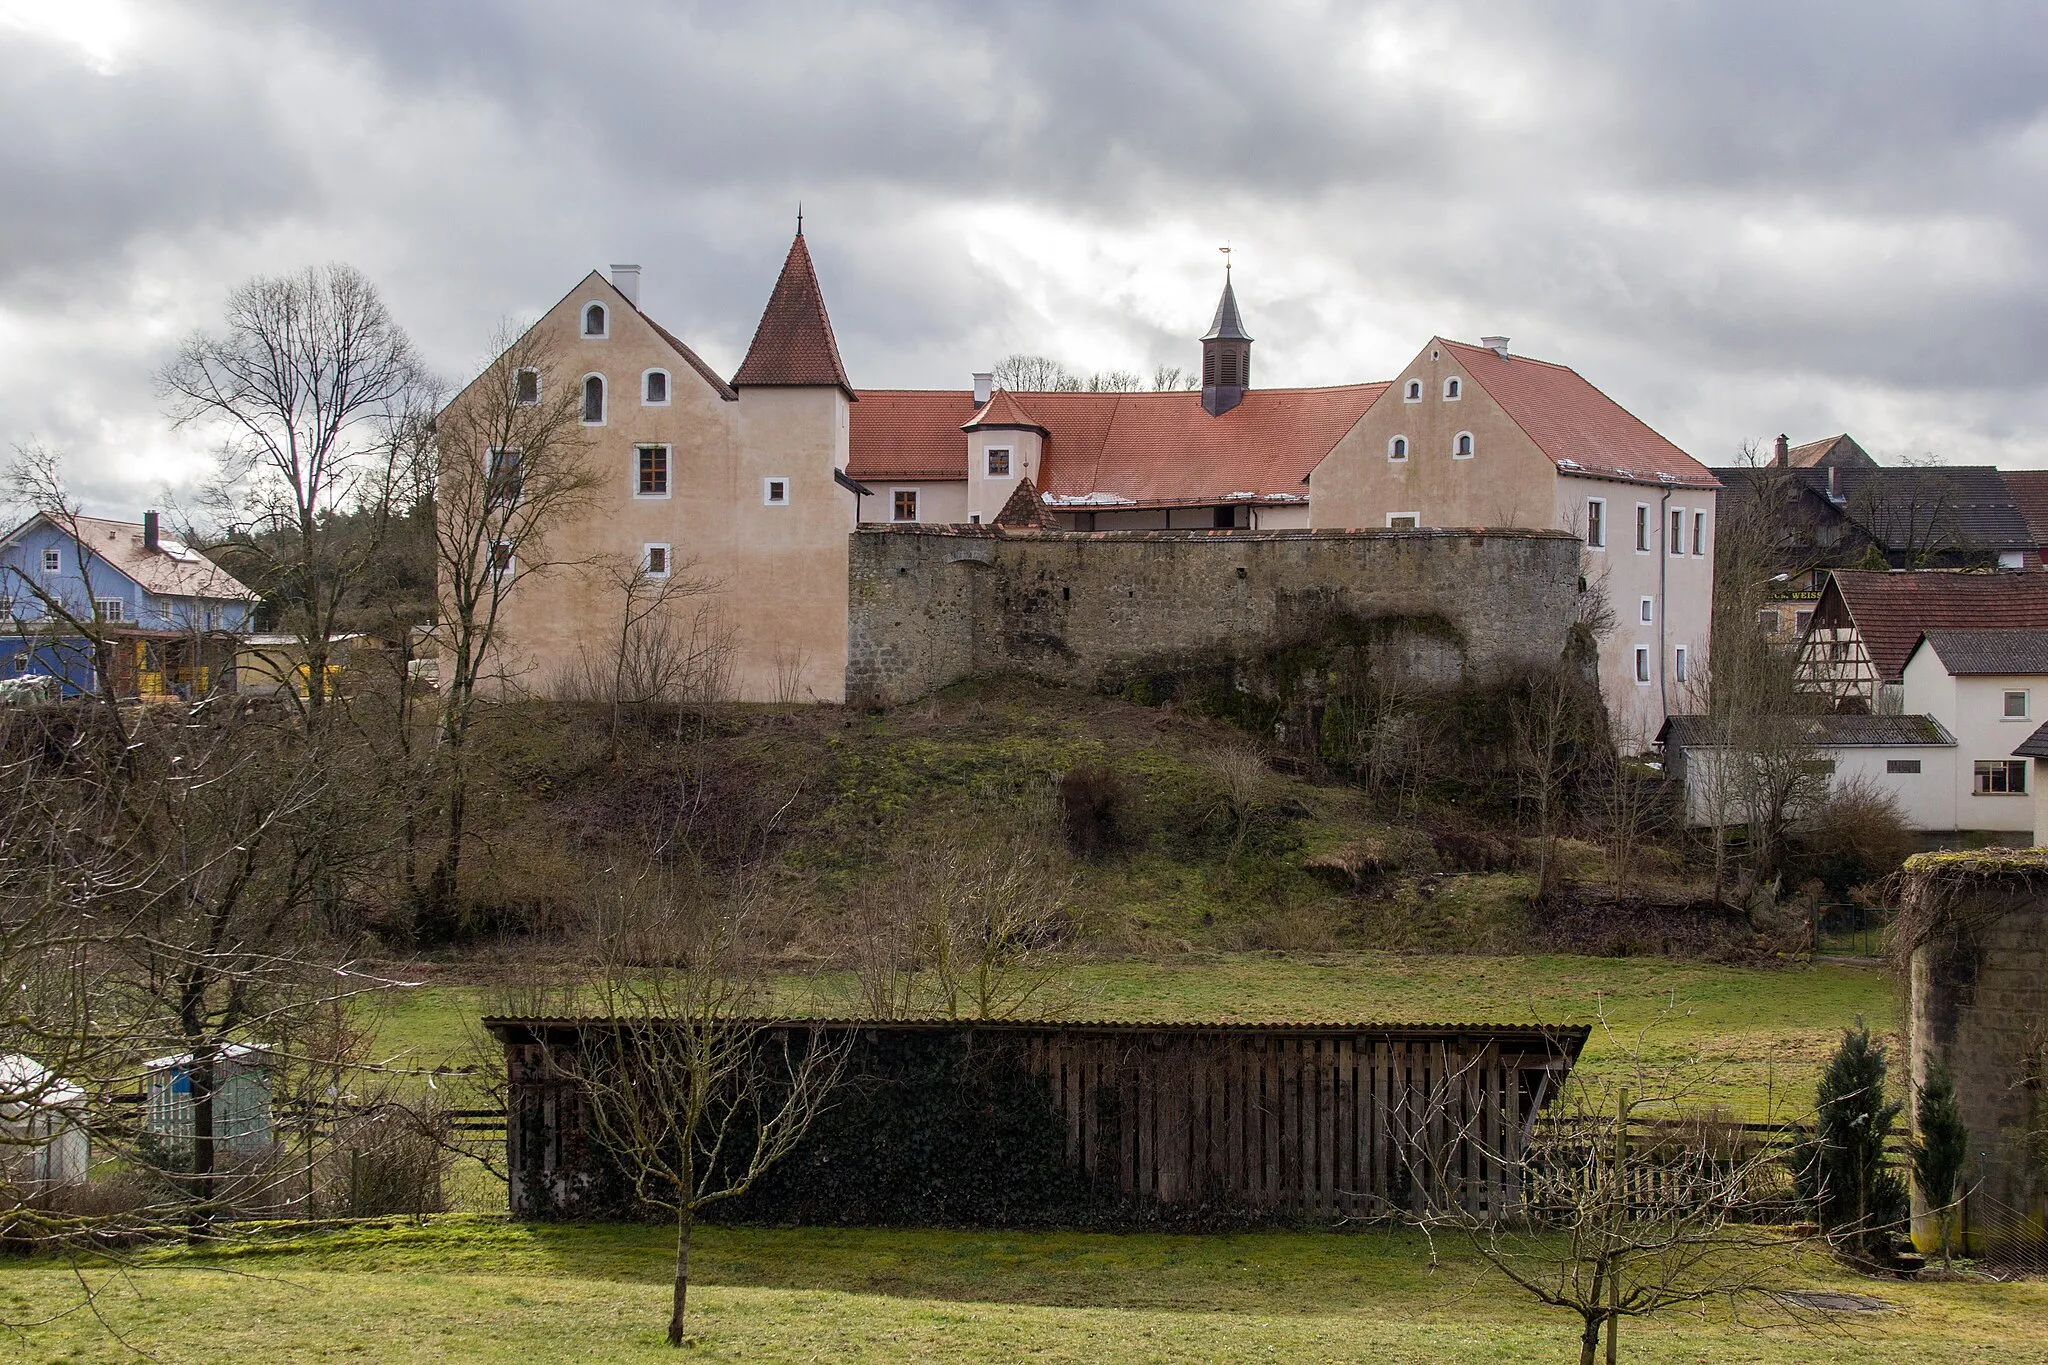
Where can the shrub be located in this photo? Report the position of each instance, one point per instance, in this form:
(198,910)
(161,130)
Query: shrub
(1839,1169)
(1856,835)
(387,1160)
(1095,810)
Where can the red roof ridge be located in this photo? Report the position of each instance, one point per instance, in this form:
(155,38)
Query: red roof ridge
(793,346)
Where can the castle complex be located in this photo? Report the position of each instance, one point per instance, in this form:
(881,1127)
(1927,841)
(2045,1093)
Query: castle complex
(762,485)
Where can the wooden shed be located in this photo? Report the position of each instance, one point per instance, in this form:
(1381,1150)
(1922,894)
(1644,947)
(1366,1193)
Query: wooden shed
(1145,1122)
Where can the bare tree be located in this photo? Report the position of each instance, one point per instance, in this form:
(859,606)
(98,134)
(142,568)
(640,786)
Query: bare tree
(1116,381)
(1021,373)
(510,467)
(1167,378)
(688,1090)
(1634,1199)
(313,386)
(659,650)
(1558,725)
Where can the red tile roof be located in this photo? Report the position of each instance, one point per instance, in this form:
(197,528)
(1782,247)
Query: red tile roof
(1577,426)
(1003,410)
(794,346)
(1122,449)
(1842,448)
(1893,610)
(2029,489)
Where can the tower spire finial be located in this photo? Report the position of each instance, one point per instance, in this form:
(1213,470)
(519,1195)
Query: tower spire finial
(1225,249)
(799,217)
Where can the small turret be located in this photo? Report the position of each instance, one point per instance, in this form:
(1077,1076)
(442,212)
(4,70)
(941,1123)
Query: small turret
(1226,355)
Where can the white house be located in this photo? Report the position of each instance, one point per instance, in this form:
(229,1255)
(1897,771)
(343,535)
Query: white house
(1988,687)
(1912,757)
(43,1141)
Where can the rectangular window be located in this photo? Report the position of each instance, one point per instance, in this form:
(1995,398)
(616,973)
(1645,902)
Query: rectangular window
(1642,664)
(903,505)
(1647,611)
(53,561)
(502,476)
(1224,518)
(1699,533)
(2002,777)
(112,609)
(1767,621)
(651,480)
(999,462)
(1642,528)
(775,491)
(1800,621)
(1902,765)
(654,559)
(1596,523)
(2016,705)
(1678,663)
(1403,521)
(501,559)
(526,388)
(1677,545)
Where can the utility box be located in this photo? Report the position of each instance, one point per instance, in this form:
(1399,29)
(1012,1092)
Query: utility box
(241,1098)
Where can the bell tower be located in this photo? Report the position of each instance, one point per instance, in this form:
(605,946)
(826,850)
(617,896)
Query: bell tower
(1226,354)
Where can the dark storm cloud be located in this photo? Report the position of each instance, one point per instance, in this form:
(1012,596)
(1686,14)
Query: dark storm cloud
(1737,217)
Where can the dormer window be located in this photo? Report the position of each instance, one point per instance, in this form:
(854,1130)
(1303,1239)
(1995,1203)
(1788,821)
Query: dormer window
(654,388)
(1453,390)
(593,400)
(1414,391)
(1397,449)
(1461,446)
(526,387)
(596,321)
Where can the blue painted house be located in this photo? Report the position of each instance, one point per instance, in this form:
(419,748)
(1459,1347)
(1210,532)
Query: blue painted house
(79,594)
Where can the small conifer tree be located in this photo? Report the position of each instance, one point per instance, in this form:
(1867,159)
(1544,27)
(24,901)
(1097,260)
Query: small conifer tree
(1839,1168)
(1940,1148)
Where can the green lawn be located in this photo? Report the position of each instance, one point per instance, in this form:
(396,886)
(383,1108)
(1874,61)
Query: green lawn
(1764,1032)
(476,1290)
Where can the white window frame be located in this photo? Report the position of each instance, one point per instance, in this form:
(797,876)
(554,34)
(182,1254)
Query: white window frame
(604,402)
(668,559)
(1647,611)
(2025,703)
(113,610)
(492,473)
(53,561)
(1471,446)
(1677,546)
(507,570)
(769,483)
(583,320)
(1413,517)
(1678,664)
(1454,389)
(1699,532)
(1596,522)
(2012,767)
(1643,546)
(520,374)
(668,388)
(1402,442)
(1642,665)
(1411,391)
(988,460)
(668,470)
(916,504)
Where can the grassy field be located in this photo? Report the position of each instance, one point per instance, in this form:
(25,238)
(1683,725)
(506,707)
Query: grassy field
(1763,1032)
(476,1290)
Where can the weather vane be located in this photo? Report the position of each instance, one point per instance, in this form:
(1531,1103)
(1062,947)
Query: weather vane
(799,217)
(1226,258)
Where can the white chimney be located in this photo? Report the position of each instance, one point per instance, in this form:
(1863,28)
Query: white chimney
(626,279)
(984,386)
(1498,345)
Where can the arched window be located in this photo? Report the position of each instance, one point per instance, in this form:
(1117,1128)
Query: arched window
(526,387)
(1397,449)
(654,388)
(1461,446)
(595,320)
(593,400)
(1414,391)
(1452,388)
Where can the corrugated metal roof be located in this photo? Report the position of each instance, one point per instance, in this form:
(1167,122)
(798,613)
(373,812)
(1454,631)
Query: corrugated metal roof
(1575,1033)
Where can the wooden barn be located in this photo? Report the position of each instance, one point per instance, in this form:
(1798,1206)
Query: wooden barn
(1034,1122)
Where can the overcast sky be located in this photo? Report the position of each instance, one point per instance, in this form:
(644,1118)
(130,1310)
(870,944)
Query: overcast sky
(1737,216)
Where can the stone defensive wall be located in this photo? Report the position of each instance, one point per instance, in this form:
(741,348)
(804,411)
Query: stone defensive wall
(930,605)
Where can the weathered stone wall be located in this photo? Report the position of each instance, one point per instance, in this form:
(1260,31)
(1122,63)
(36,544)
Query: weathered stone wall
(1980,1009)
(931,605)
